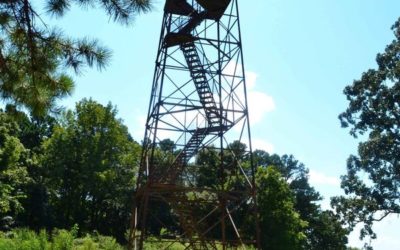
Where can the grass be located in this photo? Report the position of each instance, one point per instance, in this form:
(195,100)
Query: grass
(59,239)
(24,239)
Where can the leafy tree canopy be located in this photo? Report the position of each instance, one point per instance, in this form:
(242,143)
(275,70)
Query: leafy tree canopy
(372,182)
(14,158)
(281,225)
(91,162)
(34,57)
(324,229)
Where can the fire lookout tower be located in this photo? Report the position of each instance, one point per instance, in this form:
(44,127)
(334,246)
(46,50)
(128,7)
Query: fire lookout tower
(199,102)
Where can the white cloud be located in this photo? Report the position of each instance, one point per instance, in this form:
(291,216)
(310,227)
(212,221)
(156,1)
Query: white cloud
(251,78)
(262,145)
(236,69)
(317,178)
(259,104)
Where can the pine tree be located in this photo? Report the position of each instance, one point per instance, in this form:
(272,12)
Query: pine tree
(34,57)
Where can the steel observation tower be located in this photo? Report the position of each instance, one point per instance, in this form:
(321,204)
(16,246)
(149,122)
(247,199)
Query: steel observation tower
(199,102)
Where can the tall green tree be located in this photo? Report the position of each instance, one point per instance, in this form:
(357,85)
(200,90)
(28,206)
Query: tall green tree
(33,131)
(14,160)
(35,57)
(22,137)
(372,182)
(91,161)
(324,229)
(281,225)
(296,175)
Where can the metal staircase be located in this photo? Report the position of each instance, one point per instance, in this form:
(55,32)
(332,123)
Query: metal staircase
(199,77)
(198,74)
(190,149)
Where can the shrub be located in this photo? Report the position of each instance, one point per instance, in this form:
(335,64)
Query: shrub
(24,239)
(62,240)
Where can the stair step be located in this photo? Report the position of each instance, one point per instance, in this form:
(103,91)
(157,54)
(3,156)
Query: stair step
(198,74)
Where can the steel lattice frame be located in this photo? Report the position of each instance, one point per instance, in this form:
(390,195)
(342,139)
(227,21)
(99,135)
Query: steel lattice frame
(199,101)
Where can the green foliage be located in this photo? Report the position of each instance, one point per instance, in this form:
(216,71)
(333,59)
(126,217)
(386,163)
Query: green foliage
(14,158)
(107,243)
(24,239)
(34,57)
(90,162)
(207,160)
(324,229)
(33,132)
(154,244)
(296,175)
(81,169)
(372,182)
(30,132)
(281,225)
(63,240)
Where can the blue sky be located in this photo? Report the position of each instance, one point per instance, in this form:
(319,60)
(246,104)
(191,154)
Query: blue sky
(299,55)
